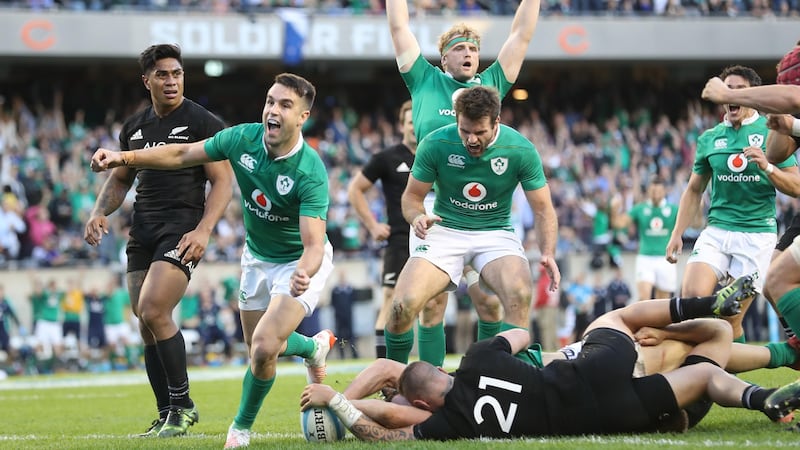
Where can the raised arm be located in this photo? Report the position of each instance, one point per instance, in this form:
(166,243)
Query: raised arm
(773,98)
(406,47)
(170,156)
(512,54)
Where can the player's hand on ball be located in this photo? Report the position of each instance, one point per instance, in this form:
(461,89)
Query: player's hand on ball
(316,395)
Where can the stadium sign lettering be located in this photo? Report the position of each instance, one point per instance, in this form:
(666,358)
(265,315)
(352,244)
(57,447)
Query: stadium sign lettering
(219,38)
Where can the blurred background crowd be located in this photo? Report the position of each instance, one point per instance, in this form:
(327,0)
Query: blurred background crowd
(601,136)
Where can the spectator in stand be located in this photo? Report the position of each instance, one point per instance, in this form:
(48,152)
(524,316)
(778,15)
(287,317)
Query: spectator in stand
(210,326)
(8,315)
(11,226)
(342,297)
(72,307)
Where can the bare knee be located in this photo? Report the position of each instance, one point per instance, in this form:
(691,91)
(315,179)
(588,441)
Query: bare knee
(401,315)
(264,349)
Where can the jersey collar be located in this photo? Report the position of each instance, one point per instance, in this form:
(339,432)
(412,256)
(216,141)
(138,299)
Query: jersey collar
(746,121)
(291,153)
(473,80)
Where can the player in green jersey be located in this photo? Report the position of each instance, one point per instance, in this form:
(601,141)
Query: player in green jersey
(476,164)
(741,230)
(287,257)
(433,91)
(654,219)
(783,276)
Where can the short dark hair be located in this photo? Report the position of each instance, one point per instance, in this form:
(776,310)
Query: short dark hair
(151,55)
(747,73)
(302,87)
(406,106)
(414,379)
(478,102)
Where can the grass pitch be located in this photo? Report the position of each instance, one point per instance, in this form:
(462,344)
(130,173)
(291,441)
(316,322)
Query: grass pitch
(106,411)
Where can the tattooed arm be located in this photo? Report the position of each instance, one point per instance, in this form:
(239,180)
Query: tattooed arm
(111,196)
(361,425)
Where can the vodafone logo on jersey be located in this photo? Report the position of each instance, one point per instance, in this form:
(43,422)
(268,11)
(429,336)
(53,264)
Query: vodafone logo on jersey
(261,200)
(474,192)
(737,162)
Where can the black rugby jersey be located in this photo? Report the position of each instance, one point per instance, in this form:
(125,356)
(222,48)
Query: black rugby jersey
(169,196)
(496,395)
(392,166)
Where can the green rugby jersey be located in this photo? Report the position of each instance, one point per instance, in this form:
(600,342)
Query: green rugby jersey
(432,93)
(654,224)
(475,193)
(275,192)
(742,197)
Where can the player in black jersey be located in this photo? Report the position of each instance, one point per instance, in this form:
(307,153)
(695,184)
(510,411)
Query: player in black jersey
(391,167)
(173,219)
(495,395)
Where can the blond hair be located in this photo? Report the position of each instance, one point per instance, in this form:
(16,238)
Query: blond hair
(460,30)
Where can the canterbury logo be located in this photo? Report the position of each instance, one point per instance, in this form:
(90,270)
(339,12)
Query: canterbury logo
(248,162)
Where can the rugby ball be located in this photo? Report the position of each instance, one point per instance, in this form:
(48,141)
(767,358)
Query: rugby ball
(321,425)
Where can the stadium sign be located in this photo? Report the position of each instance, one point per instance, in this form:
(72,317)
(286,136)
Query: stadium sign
(260,37)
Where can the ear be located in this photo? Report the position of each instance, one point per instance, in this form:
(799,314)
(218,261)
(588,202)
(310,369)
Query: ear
(421,404)
(146,82)
(303,117)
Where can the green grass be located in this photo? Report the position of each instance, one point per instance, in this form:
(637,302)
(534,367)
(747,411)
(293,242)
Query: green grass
(105,411)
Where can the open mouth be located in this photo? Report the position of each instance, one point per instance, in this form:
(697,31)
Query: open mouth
(273,125)
(734,109)
(171,93)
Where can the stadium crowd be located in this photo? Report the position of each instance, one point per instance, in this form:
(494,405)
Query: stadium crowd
(623,8)
(604,148)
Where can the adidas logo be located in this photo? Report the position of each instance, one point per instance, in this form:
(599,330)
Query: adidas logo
(137,135)
(403,167)
(173,254)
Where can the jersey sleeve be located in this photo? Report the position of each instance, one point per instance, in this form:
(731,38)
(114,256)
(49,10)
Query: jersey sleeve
(531,175)
(701,165)
(313,195)
(788,162)
(420,70)
(494,76)
(373,170)
(436,427)
(423,168)
(218,147)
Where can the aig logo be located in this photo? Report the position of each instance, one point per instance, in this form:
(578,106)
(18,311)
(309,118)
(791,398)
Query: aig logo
(248,162)
(737,162)
(456,161)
